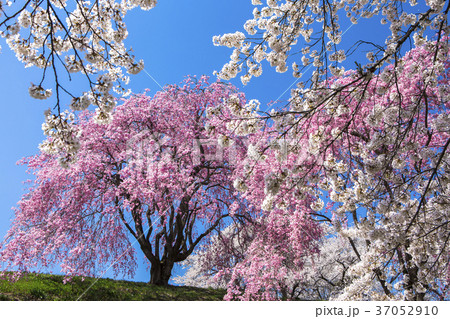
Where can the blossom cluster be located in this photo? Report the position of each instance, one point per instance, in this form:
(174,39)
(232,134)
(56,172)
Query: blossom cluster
(63,137)
(312,32)
(85,38)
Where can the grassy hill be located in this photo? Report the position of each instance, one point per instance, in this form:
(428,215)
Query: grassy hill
(51,287)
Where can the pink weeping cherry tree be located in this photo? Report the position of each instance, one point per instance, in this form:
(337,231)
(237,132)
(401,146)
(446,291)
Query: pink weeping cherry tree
(151,176)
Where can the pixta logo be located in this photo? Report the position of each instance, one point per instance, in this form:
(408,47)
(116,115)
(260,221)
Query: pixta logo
(147,149)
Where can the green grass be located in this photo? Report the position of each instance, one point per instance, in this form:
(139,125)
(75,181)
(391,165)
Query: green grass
(51,287)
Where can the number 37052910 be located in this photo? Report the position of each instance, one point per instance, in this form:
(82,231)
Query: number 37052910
(407,310)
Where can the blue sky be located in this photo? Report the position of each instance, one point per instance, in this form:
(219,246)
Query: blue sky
(175,40)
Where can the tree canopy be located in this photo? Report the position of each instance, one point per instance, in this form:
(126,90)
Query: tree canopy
(150,175)
(369,156)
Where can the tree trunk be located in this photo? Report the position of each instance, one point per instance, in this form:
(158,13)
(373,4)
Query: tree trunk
(160,273)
